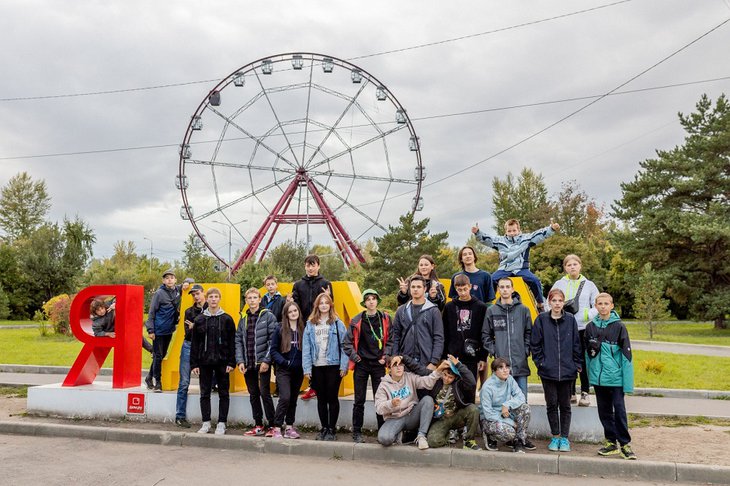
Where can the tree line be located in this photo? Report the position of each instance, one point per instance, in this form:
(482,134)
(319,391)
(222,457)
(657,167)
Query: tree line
(664,246)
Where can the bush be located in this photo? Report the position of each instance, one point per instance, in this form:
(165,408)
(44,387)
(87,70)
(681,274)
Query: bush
(40,318)
(652,366)
(57,311)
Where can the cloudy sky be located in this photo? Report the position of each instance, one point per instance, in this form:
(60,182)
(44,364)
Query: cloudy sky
(112,157)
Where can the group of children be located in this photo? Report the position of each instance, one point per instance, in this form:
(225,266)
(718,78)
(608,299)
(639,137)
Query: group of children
(423,363)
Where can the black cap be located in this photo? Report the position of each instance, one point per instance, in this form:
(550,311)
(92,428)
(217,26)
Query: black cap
(195,288)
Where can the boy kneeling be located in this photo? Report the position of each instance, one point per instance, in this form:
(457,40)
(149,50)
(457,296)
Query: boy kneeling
(397,402)
(454,407)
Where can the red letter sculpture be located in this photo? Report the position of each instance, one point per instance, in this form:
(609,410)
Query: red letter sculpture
(127,343)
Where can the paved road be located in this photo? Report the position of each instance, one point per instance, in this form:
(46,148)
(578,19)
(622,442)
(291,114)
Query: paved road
(682,348)
(51,461)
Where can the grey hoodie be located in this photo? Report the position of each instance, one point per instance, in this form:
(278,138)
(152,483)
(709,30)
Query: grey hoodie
(405,389)
(506,334)
(419,336)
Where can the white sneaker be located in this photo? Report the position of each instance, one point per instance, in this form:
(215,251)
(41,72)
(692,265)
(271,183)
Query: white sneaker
(205,428)
(584,400)
(220,429)
(422,442)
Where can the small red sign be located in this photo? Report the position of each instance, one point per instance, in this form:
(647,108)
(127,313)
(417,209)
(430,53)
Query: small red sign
(135,403)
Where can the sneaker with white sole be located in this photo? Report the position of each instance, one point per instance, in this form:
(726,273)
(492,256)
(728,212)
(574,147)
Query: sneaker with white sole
(205,428)
(422,442)
(584,401)
(291,433)
(220,429)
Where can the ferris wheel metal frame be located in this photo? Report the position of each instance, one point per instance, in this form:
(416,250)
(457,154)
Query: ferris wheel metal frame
(293,175)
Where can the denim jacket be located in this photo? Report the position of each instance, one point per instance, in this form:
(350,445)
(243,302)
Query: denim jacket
(335,354)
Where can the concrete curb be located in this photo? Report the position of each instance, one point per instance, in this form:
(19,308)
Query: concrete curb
(531,463)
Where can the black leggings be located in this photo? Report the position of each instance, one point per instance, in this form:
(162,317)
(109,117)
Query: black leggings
(326,382)
(290,381)
(557,403)
(206,383)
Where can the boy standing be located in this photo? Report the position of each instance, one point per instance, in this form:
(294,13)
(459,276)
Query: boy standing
(482,287)
(272,300)
(191,313)
(611,372)
(463,320)
(418,330)
(253,357)
(161,322)
(212,352)
(365,346)
(514,253)
(305,291)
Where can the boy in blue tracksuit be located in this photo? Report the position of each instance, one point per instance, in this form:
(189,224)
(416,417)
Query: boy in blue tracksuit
(514,253)
(611,372)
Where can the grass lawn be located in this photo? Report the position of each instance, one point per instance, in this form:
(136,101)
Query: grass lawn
(682,332)
(27,346)
(680,371)
(17,323)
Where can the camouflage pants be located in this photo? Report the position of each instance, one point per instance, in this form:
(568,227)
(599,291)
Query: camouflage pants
(504,432)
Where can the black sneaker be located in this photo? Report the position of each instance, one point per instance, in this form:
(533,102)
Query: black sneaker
(148,381)
(321,435)
(330,435)
(609,449)
(357,438)
(518,446)
(627,453)
(490,443)
(158,388)
(181,422)
(510,443)
(529,445)
(453,436)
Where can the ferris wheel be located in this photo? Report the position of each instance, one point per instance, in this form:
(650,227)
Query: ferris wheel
(300,145)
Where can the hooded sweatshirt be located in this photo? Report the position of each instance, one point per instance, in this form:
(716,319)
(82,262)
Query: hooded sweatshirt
(612,366)
(496,393)
(506,334)
(405,389)
(307,289)
(164,310)
(586,299)
(419,335)
(213,341)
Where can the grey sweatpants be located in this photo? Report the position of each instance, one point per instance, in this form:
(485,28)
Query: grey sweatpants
(418,418)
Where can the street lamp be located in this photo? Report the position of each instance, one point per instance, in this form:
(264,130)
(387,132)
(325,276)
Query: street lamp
(230,242)
(151,251)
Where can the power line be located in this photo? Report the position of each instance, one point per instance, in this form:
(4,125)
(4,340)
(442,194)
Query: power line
(365,56)
(422,118)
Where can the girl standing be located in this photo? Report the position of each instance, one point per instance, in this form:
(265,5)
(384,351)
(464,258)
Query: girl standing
(286,351)
(325,362)
(434,289)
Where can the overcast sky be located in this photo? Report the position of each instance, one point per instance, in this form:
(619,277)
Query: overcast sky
(126,191)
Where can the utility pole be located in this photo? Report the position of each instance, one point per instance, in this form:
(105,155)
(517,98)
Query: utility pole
(151,252)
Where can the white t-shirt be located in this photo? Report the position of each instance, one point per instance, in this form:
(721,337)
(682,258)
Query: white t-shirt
(322,335)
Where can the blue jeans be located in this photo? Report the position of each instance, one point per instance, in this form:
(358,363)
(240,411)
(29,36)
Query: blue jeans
(182,387)
(522,383)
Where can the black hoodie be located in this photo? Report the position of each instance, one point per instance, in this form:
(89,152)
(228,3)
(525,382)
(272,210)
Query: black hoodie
(306,290)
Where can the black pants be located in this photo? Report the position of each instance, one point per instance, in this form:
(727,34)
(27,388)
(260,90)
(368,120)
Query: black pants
(206,383)
(364,370)
(159,350)
(289,381)
(326,382)
(557,402)
(259,391)
(585,386)
(612,413)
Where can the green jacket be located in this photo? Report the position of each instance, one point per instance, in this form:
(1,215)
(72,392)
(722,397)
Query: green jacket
(612,365)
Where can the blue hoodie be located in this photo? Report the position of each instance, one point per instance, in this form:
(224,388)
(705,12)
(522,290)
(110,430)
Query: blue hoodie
(496,393)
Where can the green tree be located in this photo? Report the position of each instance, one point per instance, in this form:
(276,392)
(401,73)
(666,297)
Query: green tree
(397,256)
(525,199)
(678,213)
(577,213)
(4,304)
(24,204)
(288,258)
(650,306)
(198,264)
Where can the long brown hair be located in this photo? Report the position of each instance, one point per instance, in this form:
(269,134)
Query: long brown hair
(286,327)
(316,316)
(429,258)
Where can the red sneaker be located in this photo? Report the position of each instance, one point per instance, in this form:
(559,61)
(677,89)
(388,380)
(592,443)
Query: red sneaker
(257,431)
(309,394)
(270,432)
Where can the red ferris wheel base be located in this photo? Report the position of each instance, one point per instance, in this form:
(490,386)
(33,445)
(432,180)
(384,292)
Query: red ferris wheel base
(347,248)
